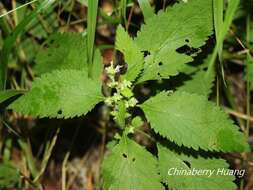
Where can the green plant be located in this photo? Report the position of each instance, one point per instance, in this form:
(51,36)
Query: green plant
(186,124)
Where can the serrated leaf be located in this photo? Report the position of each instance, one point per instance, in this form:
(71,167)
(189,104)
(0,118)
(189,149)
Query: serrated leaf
(170,162)
(130,167)
(191,120)
(132,54)
(65,51)
(171,30)
(60,94)
(199,83)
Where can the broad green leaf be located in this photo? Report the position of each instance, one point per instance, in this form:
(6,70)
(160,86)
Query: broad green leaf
(167,32)
(212,177)
(191,120)
(60,94)
(7,94)
(65,51)
(132,54)
(200,83)
(130,167)
(146,8)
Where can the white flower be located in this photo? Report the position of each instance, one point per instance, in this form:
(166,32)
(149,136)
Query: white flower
(109,101)
(117,69)
(110,70)
(132,102)
(125,84)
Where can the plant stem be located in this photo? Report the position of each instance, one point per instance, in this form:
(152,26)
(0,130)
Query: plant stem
(248,83)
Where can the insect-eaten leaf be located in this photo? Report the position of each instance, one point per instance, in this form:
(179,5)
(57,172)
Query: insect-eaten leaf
(62,51)
(172,38)
(60,94)
(132,54)
(184,172)
(131,167)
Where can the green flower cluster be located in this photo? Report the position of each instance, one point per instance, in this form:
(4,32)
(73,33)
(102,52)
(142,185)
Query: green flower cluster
(123,97)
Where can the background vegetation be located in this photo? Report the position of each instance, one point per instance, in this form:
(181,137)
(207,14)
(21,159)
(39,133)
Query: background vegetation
(67,154)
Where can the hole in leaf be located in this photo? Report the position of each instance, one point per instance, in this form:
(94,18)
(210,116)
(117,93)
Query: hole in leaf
(187,50)
(133,159)
(124,155)
(187,40)
(160,63)
(187,163)
(251,43)
(146,53)
(205,69)
(159,74)
(60,112)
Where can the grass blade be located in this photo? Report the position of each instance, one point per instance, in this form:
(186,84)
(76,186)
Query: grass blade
(7,94)
(13,10)
(123,7)
(146,8)
(91,29)
(97,68)
(230,12)
(11,39)
(47,154)
(249,62)
(218,19)
(26,149)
